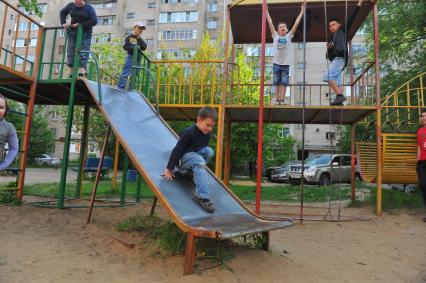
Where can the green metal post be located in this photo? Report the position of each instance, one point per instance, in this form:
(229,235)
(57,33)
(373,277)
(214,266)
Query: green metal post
(70,116)
(83,145)
(52,55)
(138,188)
(61,71)
(124,180)
(147,79)
(43,44)
(134,63)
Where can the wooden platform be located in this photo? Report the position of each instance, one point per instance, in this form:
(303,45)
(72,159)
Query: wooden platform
(291,114)
(57,93)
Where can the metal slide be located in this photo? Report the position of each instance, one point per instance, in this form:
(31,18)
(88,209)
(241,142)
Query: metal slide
(148,141)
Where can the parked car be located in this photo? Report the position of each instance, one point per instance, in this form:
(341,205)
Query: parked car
(47,160)
(282,173)
(268,172)
(324,170)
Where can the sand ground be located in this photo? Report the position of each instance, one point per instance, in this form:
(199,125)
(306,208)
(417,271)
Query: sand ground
(51,245)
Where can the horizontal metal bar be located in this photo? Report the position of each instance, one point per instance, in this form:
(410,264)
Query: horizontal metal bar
(15,92)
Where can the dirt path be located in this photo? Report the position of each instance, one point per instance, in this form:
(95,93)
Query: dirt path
(50,245)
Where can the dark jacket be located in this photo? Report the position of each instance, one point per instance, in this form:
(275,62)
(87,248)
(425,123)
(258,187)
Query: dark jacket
(131,41)
(191,140)
(85,16)
(340,48)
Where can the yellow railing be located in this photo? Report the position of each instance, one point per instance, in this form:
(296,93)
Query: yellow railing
(189,81)
(402,108)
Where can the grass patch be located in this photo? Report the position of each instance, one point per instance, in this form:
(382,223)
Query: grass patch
(394,200)
(8,198)
(289,193)
(167,239)
(284,193)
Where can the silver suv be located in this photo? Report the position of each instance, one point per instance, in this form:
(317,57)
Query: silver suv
(324,169)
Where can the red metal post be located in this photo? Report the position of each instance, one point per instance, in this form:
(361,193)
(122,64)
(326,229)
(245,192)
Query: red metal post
(260,127)
(378,113)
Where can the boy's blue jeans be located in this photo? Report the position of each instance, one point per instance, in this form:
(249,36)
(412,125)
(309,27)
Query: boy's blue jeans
(126,72)
(196,162)
(85,45)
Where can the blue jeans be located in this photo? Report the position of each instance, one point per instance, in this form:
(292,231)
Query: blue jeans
(334,72)
(280,74)
(85,45)
(196,162)
(126,72)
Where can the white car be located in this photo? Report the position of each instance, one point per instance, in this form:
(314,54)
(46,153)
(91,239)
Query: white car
(47,160)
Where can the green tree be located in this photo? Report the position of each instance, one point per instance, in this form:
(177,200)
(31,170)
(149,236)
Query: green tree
(402,36)
(30,6)
(42,139)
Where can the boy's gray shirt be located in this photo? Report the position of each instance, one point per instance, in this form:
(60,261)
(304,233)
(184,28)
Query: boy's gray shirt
(282,49)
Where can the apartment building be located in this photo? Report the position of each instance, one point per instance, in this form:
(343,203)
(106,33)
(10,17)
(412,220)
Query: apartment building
(174,30)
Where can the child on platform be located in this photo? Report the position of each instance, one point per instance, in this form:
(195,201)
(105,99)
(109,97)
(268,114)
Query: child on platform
(134,39)
(193,153)
(337,54)
(282,54)
(7,135)
(421,157)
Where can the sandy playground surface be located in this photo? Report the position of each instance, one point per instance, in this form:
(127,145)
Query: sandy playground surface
(51,245)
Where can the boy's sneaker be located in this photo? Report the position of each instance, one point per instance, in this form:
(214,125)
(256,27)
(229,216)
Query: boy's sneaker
(204,203)
(340,98)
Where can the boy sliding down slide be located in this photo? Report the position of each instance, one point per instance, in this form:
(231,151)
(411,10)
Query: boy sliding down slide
(337,54)
(193,153)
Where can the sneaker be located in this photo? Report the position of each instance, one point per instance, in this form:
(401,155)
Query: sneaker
(282,102)
(204,203)
(340,98)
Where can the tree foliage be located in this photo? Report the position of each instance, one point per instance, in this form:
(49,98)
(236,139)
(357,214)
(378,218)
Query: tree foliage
(402,36)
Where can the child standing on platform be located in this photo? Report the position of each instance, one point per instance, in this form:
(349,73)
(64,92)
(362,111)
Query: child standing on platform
(130,41)
(7,135)
(282,54)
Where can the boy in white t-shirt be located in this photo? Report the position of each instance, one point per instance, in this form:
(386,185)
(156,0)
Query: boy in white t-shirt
(282,54)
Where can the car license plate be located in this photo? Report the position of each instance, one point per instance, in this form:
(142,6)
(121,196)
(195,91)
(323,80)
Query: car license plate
(296,175)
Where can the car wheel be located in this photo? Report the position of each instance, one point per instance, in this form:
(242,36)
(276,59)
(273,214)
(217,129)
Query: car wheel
(294,182)
(324,180)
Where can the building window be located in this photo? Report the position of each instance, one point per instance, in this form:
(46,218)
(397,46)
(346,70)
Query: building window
(359,49)
(179,34)
(178,1)
(53,132)
(152,5)
(34,26)
(22,26)
(105,5)
(130,15)
(285,132)
(106,20)
(101,38)
(20,60)
(330,135)
(212,7)
(150,22)
(179,17)
(176,54)
(149,42)
(20,42)
(211,24)
(253,51)
(300,65)
(128,31)
(33,42)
